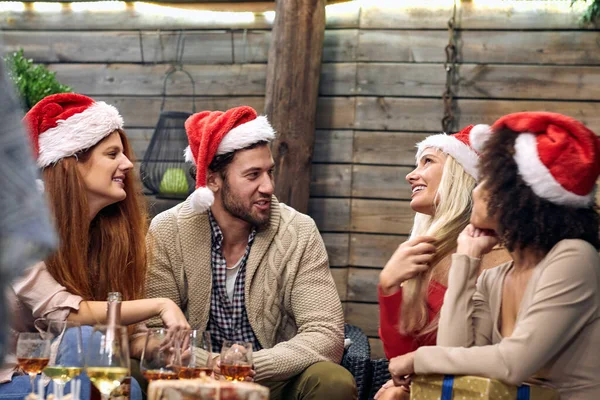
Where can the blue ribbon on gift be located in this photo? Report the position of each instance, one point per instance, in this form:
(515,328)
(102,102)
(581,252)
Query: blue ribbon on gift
(523,392)
(447,387)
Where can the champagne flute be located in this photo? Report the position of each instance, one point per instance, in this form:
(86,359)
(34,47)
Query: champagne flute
(67,359)
(107,359)
(33,354)
(236,360)
(159,358)
(194,355)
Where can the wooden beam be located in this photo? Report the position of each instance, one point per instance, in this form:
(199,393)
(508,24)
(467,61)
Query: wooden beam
(502,47)
(293,73)
(416,114)
(337,248)
(331,215)
(143,111)
(374,251)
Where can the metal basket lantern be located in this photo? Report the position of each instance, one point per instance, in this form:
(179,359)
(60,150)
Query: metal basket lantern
(163,169)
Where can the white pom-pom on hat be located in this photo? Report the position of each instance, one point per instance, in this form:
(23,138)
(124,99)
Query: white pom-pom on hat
(479,135)
(202,199)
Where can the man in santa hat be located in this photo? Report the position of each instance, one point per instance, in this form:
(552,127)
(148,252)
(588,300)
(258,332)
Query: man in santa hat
(245,267)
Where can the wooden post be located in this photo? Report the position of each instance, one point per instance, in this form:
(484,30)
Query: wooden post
(291,98)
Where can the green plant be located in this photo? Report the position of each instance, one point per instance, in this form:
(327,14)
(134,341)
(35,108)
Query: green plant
(592,14)
(33,82)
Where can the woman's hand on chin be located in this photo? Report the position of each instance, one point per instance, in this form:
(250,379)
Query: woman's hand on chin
(475,242)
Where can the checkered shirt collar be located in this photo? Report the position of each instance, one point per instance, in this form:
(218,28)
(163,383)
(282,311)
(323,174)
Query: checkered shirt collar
(228,318)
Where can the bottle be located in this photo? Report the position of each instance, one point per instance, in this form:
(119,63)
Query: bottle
(114,308)
(113,318)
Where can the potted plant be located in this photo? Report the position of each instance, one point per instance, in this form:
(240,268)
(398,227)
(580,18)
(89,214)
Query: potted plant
(33,82)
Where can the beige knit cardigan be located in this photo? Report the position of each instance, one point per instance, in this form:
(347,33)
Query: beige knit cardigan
(291,298)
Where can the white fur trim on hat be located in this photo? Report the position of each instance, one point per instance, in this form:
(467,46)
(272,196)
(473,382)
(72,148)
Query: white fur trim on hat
(479,135)
(537,176)
(244,135)
(78,132)
(188,155)
(448,144)
(202,199)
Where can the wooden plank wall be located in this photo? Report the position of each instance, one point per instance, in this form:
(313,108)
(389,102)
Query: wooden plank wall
(381,82)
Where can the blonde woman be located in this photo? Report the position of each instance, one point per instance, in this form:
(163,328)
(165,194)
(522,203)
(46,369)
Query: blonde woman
(413,282)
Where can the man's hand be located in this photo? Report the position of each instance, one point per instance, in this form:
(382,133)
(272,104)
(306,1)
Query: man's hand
(217,371)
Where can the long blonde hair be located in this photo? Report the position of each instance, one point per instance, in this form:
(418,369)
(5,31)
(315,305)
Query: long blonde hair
(452,212)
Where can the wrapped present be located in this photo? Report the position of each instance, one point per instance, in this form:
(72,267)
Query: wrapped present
(205,389)
(449,387)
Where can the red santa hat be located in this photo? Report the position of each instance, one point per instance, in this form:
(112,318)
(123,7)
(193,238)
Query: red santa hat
(61,125)
(212,133)
(557,156)
(457,145)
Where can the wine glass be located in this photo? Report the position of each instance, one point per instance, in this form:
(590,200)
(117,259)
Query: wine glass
(107,359)
(66,348)
(194,355)
(33,354)
(159,358)
(236,360)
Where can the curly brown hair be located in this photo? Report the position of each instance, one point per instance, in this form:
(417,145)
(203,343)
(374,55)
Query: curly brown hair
(525,219)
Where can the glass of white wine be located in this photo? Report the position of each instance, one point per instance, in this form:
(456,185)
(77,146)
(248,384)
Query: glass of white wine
(33,354)
(107,358)
(67,355)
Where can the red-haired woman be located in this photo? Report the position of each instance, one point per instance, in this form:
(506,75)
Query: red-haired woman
(100,218)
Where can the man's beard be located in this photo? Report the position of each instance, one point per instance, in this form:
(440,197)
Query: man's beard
(235,206)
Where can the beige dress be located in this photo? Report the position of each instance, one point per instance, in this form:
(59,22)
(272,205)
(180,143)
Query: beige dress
(557,333)
(35,295)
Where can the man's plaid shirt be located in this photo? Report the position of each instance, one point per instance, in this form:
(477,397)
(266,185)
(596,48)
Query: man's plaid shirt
(228,321)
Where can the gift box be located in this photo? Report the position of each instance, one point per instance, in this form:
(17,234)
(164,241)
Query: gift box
(205,389)
(449,387)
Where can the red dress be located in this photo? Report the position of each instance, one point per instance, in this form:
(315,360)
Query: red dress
(394,343)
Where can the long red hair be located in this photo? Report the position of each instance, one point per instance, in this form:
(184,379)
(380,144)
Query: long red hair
(107,254)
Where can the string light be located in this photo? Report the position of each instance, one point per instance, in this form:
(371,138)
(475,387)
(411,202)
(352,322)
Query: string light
(98,6)
(47,7)
(224,17)
(12,6)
